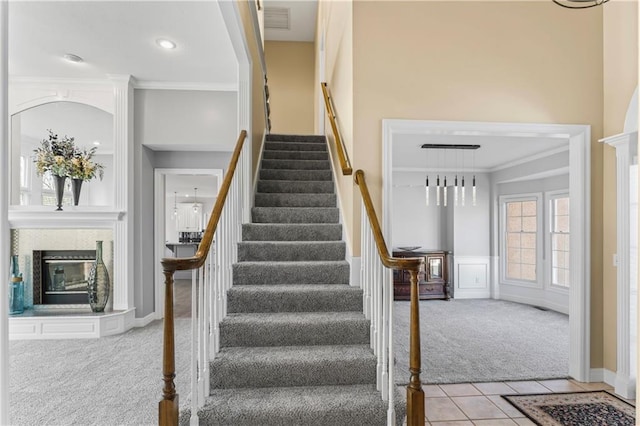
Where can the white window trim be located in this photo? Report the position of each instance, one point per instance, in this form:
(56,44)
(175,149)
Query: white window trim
(502,202)
(548,197)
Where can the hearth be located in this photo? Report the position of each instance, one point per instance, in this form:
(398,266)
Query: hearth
(60,276)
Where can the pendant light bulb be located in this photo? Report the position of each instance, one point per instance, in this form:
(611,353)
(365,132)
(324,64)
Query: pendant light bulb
(462,195)
(195,200)
(438,190)
(455,191)
(445,191)
(426,192)
(473,191)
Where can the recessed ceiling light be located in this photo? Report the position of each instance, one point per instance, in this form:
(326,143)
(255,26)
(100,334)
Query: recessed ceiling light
(165,43)
(96,143)
(186,195)
(73,58)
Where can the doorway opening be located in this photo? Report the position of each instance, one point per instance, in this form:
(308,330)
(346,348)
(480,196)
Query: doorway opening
(478,273)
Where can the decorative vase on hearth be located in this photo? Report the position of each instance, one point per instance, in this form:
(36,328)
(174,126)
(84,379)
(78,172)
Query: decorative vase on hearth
(16,289)
(98,285)
(59,184)
(76,186)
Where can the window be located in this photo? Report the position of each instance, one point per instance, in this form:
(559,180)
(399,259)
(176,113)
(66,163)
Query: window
(560,266)
(521,225)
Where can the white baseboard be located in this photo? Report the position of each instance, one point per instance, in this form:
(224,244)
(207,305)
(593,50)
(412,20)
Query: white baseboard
(602,375)
(355,265)
(144,321)
(535,302)
(625,386)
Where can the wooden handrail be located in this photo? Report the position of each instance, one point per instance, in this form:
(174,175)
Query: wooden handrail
(168,406)
(345,165)
(415,394)
(408,263)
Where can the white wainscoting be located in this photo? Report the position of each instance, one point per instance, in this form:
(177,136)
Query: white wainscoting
(471,277)
(71,326)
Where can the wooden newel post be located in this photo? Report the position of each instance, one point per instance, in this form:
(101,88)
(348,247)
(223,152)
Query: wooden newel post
(168,407)
(415,394)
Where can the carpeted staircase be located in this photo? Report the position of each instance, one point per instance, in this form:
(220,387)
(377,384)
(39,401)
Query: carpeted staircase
(295,345)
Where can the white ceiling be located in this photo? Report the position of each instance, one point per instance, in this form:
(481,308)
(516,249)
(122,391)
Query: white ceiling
(184,186)
(302,14)
(495,152)
(118,37)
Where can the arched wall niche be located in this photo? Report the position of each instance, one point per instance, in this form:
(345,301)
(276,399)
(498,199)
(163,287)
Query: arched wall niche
(27,95)
(90,126)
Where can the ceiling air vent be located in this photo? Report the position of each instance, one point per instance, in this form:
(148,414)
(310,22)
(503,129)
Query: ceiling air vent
(276,18)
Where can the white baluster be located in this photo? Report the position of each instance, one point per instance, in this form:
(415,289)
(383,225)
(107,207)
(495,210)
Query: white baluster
(391,412)
(202,361)
(193,420)
(386,295)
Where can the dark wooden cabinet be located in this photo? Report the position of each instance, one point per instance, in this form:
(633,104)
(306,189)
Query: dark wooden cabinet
(433,278)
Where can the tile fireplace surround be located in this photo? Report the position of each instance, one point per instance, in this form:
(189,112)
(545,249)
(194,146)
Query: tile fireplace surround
(63,321)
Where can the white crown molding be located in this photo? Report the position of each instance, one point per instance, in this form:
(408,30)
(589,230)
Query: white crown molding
(168,85)
(44,81)
(110,78)
(439,170)
(530,158)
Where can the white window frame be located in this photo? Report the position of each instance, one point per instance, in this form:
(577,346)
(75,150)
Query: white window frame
(503,200)
(549,197)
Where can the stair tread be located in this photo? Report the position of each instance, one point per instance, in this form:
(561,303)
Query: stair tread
(313,288)
(292,263)
(302,354)
(298,245)
(343,405)
(298,317)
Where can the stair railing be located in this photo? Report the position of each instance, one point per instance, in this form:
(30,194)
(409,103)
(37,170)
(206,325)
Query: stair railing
(210,279)
(377,285)
(345,164)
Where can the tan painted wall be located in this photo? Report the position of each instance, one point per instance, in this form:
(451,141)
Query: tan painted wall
(620,23)
(291,67)
(485,61)
(257,93)
(336,19)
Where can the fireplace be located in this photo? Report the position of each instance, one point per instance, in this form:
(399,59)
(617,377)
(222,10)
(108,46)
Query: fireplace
(60,276)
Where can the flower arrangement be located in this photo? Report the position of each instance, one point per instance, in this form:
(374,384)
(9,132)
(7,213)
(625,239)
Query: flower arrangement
(61,157)
(82,167)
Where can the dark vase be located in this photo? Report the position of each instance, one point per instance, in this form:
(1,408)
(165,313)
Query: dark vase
(59,183)
(98,285)
(76,186)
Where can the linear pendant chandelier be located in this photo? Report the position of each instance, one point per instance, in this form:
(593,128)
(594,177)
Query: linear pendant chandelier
(579,4)
(443,190)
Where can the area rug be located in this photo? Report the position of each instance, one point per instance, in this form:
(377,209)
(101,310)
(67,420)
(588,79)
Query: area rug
(598,408)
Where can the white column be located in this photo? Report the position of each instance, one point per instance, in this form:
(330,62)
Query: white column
(123,279)
(625,148)
(4,212)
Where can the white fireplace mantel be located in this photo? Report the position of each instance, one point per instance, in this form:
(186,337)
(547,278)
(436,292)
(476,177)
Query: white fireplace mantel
(70,217)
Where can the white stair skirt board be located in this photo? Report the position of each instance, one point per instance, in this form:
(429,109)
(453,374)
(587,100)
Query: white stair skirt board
(355,262)
(471,277)
(70,326)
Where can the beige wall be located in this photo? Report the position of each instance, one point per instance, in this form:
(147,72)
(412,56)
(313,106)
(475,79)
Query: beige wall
(290,69)
(485,61)
(336,20)
(620,23)
(257,91)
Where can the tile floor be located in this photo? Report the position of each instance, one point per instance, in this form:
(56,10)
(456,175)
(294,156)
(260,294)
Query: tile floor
(480,403)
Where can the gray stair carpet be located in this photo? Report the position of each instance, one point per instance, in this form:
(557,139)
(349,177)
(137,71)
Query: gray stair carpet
(295,344)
